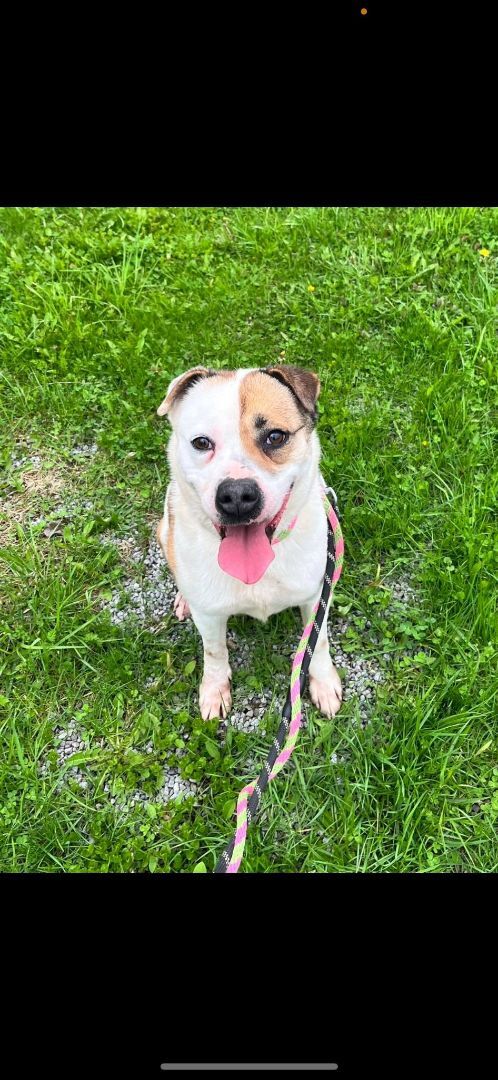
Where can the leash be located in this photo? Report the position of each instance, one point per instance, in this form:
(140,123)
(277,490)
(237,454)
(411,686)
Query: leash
(285,740)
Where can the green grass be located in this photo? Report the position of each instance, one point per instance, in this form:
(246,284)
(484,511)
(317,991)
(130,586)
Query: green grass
(99,308)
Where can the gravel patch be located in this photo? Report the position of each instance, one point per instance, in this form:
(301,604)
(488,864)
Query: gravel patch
(174,787)
(64,513)
(85,450)
(248,711)
(249,707)
(147,593)
(361,675)
(402,590)
(71,740)
(149,681)
(32,462)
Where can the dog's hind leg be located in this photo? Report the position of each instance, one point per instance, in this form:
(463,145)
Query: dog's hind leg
(166,540)
(215,698)
(181,607)
(325,684)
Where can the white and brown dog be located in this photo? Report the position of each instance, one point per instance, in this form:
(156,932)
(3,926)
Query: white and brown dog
(244,459)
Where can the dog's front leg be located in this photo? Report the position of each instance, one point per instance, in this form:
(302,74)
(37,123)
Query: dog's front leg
(325,684)
(215,698)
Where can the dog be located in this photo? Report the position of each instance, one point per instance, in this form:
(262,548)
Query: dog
(244,464)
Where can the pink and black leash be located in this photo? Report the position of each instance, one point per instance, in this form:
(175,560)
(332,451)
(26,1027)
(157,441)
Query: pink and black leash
(285,740)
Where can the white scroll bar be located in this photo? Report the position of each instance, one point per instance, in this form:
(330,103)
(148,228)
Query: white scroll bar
(313,1067)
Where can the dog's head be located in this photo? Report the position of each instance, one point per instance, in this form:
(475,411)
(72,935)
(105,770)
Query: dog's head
(241,440)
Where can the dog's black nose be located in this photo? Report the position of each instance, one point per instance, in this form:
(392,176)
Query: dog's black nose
(238,501)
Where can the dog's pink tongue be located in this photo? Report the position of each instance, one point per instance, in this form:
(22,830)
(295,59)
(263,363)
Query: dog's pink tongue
(245,553)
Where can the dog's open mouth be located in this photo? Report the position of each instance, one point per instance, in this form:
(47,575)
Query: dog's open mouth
(245,551)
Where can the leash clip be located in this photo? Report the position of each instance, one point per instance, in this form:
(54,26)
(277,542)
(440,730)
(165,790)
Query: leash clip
(330,491)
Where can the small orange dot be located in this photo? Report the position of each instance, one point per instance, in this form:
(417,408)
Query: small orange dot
(364,10)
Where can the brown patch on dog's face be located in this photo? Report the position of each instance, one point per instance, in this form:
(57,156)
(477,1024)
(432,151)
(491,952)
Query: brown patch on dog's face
(304,385)
(271,405)
(179,386)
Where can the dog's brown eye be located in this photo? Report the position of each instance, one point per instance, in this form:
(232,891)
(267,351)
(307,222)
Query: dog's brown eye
(276,438)
(202,443)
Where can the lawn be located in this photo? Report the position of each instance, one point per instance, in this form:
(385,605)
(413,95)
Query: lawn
(105,763)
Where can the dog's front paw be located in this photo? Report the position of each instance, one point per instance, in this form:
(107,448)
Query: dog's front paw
(214,700)
(326,694)
(181,607)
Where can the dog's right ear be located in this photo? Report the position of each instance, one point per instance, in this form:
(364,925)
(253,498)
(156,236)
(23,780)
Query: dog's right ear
(179,386)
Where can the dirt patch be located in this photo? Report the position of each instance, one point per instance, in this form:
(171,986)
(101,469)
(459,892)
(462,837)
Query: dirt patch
(45,482)
(33,492)
(18,504)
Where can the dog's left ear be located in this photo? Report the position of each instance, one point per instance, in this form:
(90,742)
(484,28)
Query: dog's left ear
(179,386)
(305,385)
